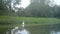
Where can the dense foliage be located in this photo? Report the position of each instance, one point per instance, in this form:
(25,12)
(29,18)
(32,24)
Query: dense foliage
(39,8)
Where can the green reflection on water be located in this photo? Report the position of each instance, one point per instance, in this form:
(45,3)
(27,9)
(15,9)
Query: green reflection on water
(38,29)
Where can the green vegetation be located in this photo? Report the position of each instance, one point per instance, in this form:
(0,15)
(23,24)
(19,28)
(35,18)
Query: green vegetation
(37,8)
(6,20)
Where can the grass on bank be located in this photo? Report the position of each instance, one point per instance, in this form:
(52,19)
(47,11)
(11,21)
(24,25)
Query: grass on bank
(9,20)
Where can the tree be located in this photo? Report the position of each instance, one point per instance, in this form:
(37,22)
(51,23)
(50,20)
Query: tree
(6,7)
(3,8)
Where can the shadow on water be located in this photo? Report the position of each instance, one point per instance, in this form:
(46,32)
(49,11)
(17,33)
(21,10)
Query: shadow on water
(42,29)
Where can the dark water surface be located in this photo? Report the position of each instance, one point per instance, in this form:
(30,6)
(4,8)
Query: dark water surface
(44,29)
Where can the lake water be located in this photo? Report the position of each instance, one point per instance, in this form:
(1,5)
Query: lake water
(44,29)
